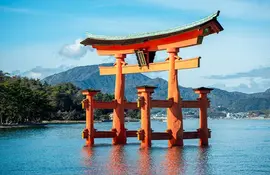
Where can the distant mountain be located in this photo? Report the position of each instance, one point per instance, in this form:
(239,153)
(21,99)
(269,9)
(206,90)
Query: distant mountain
(88,77)
(40,72)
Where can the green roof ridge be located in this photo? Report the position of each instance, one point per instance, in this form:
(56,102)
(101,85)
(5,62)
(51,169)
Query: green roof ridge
(162,32)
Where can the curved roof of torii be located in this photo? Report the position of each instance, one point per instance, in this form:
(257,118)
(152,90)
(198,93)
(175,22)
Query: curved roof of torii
(143,37)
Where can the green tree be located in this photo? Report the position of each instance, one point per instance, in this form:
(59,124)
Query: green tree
(103,113)
(20,103)
(134,114)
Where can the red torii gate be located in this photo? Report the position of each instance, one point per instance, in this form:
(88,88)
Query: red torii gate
(144,46)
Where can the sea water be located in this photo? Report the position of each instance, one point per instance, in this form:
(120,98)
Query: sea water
(236,147)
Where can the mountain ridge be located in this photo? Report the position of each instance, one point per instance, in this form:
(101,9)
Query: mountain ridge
(86,77)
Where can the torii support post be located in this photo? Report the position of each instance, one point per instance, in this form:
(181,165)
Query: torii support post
(118,112)
(144,103)
(203,130)
(174,113)
(89,131)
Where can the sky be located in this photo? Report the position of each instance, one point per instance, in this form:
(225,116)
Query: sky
(38,38)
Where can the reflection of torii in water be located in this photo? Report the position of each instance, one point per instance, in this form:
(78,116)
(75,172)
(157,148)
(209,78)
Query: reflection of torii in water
(145,45)
(175,160)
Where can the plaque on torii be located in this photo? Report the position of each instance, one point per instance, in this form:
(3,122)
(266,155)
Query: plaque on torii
(145,46)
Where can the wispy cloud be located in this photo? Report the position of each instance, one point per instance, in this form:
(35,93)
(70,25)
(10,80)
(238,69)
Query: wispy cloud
(263,73)
(74,50)
(40,72)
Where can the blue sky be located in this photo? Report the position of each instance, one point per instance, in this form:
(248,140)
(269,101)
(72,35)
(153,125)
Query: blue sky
(39,37)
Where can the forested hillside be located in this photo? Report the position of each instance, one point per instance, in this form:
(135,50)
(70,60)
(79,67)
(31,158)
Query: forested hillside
(25,100)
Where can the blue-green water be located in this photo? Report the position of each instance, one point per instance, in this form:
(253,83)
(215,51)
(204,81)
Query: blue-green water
(236,147)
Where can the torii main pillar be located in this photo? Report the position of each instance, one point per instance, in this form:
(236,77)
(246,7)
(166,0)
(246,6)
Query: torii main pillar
(174,114)
(118,112)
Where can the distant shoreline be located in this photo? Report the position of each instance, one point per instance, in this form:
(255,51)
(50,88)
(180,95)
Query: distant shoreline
(64,121)
(257,118)
(14,126)
(43,124)
(46,123)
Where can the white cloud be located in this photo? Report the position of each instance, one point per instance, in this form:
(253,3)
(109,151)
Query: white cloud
(75,50)
(40,72)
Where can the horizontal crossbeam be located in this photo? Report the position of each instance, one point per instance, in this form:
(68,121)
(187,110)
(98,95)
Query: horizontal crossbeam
(190,104)
(131,133)
(154,104)
(104,134)
(130,105)
(105,105)
(191,135)
(162,103)
(153,67)
(154,136)
(161,136)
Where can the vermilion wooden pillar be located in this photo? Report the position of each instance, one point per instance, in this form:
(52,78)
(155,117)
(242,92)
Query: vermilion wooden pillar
(144,93)
(204,104)
(174,114)
(88,105)
(118,112)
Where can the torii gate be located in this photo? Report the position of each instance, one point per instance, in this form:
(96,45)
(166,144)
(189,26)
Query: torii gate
(144,46)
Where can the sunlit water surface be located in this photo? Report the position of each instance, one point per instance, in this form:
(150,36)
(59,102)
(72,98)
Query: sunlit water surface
(236,147)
